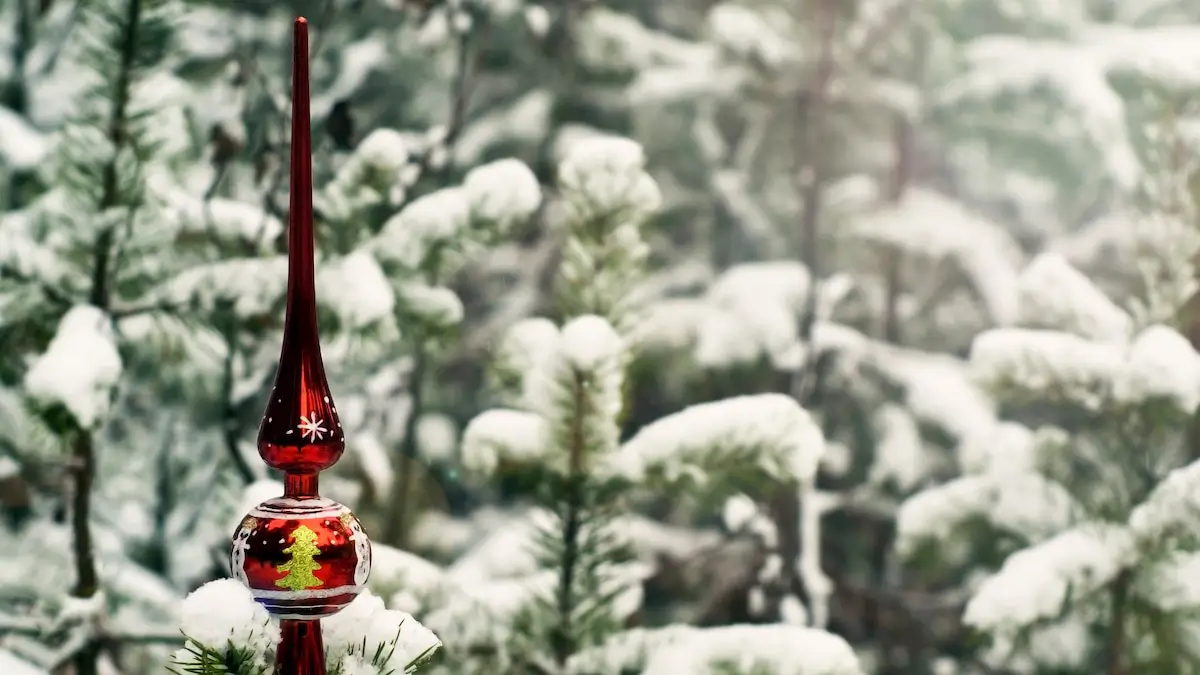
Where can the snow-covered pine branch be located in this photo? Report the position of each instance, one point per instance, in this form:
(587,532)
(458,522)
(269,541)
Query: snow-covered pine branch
(80,368)
(229,633)
(422,248)
(581,371)
(720,447)
(433,234)
(500,437)
(376,174)
(736,443)
(521,359)
(1080,545)
(927,225)
(1028,505)
(1172,510)
(1036,583)
(774,648)
(1052,294)
(608,197)
(1084,352)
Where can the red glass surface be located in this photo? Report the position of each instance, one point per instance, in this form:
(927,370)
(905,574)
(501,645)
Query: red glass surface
(300,431)
(301,559)
(301,651)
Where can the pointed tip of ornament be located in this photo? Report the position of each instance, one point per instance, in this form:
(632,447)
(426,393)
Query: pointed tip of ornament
(300,432)
(300,214)
(301,169)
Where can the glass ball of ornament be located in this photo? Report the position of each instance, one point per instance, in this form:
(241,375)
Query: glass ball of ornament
(301,558)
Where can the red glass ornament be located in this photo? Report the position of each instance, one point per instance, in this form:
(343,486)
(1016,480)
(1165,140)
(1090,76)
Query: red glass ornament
(301,555)
(300,432)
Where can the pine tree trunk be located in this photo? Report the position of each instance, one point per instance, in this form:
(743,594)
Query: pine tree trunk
(403,504)
(1117,637)
(563,642)
(87,582)
(83,449)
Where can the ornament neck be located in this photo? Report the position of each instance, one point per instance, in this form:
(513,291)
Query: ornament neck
(300,485)
(301,650)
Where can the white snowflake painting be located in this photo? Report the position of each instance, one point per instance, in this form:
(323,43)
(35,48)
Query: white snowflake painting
(312,428)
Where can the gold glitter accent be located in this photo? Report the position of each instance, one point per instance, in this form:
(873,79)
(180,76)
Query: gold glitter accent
(300,566)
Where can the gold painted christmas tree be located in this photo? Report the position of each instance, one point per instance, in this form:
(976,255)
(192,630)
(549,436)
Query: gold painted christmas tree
(300,567)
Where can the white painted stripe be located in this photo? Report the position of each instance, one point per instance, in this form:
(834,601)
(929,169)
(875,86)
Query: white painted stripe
(295,515)
(283,508)
(289,502)
(301,617)
(307,594)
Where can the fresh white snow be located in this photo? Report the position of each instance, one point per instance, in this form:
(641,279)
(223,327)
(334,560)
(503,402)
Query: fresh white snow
(80,368)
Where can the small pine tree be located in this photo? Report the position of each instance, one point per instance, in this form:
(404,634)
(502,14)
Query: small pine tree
(299,569)
(563,437)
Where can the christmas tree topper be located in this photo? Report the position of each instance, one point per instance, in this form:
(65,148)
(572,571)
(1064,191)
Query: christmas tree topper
(302,556)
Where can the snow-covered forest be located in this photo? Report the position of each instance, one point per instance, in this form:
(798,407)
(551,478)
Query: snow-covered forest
(684,337)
